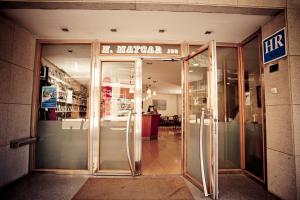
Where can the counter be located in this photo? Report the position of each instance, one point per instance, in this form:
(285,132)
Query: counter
(150,123)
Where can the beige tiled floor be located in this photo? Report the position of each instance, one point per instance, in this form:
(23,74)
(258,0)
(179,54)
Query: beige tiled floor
(162,156)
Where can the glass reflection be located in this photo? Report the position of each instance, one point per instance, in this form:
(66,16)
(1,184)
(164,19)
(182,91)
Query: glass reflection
(63,114)
(228,108)
(253,110)
(198,99)
(117,99)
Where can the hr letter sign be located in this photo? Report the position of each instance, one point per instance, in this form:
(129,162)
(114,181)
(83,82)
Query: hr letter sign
(274,46)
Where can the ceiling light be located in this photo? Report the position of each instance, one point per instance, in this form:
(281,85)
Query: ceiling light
(195,64)
(114,30)
(76,68)
(64,29)
(162,30)
(208,32)
(191,71)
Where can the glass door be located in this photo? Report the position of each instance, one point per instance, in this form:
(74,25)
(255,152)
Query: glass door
(253,105)
(201,118)
(119,117)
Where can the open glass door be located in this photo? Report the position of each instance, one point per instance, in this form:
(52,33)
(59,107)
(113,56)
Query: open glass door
(200,119)
(119,117)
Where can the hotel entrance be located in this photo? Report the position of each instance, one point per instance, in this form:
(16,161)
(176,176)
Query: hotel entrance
(121,123)
(105,108)
(141,90)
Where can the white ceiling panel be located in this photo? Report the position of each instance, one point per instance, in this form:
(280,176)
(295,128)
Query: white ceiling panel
(137,25)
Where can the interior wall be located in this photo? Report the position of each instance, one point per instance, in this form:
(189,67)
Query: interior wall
(282,110)
(172,104)
(17,50)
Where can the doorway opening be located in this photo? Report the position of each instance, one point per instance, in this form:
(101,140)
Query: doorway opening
(161,119)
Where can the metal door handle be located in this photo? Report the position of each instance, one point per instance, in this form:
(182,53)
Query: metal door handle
(127,141)
(201,152)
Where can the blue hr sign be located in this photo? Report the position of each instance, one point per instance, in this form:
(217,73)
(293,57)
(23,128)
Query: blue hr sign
(274,46)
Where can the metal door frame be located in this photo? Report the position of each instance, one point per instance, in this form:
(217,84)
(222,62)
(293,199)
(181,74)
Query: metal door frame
(213,105)
(95,115)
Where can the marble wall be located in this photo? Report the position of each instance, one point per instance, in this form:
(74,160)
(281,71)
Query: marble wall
(283,110)
(17,50)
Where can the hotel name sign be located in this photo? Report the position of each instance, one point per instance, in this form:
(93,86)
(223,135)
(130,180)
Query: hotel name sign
(138,49)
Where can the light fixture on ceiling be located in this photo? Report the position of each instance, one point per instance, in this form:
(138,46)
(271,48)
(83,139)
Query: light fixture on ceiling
(154,92)
(76,68)
(64,29)
(114,30)
(162,30)
(191,71)
(149,85)
(131,90)
(195,64)
(148,91)
(208,32)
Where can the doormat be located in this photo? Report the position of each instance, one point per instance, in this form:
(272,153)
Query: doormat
(134,188)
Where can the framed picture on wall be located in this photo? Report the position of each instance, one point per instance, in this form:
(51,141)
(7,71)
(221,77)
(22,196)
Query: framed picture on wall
(160,104)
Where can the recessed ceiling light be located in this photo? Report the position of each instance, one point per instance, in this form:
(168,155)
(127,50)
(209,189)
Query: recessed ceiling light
(208,32)
(113,30)
(65,29)
(162,30)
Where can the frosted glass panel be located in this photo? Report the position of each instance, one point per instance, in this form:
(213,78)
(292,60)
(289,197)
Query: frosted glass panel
(63,120)
(117,99)
(198,99)
(228,108)
(254,157)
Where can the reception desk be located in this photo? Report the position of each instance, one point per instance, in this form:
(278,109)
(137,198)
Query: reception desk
(150,124)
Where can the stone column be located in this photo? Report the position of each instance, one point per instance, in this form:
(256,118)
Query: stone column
(293,26)
(283,109)
(17,50)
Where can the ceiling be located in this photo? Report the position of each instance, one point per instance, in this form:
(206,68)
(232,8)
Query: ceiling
(158,70)
(136,25)
(132,26)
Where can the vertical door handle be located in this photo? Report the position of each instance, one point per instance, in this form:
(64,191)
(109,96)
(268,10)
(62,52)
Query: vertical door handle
(127,141)
(201,152)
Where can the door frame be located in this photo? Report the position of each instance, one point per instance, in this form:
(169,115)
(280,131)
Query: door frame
(257,35)
(95,107)
(35,104)
(213,105)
